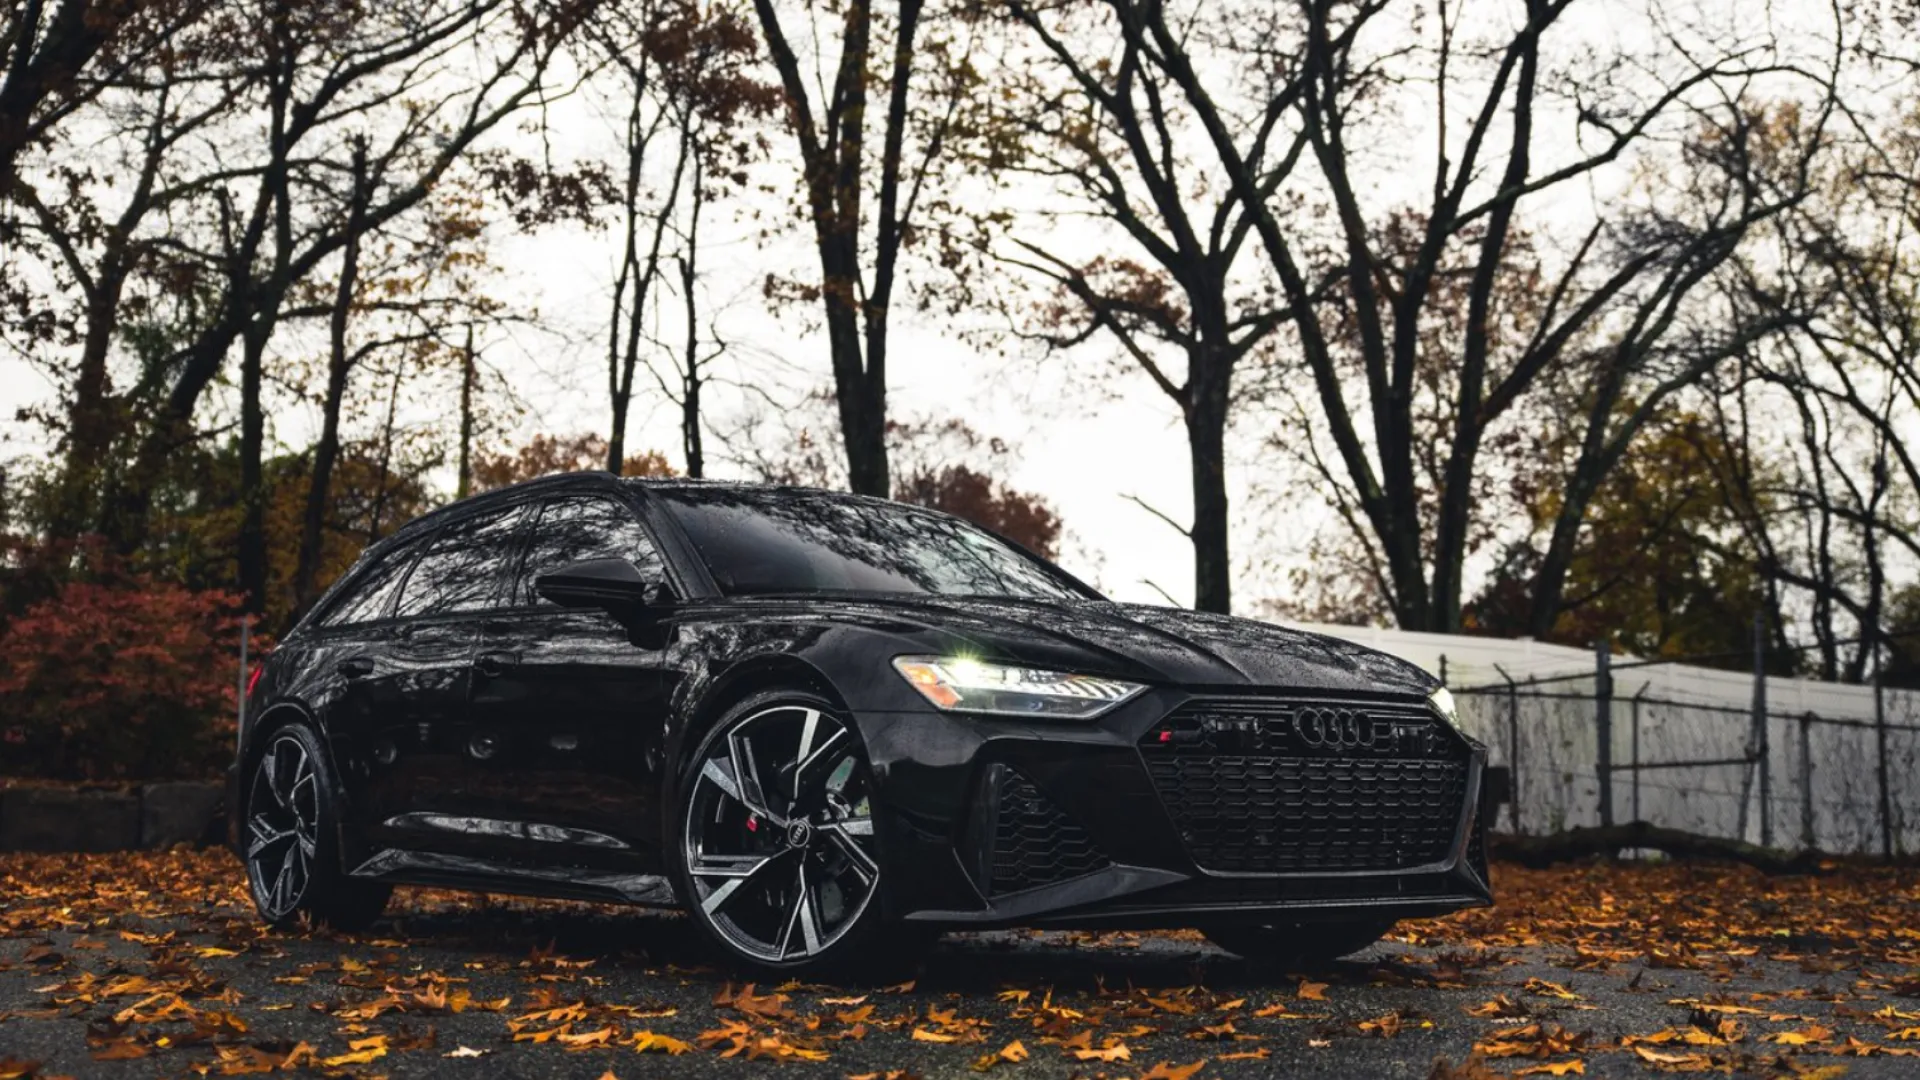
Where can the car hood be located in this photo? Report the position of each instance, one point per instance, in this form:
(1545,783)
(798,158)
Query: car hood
(1158,644)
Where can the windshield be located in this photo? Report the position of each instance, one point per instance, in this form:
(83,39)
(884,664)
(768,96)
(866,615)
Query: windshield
(761,541)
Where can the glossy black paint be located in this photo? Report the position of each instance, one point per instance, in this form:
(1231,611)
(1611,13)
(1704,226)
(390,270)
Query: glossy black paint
(488,737)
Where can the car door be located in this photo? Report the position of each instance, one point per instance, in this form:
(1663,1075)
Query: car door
(426,752)
(578,700)
(346,664)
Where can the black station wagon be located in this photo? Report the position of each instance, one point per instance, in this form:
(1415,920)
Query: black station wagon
(825,724)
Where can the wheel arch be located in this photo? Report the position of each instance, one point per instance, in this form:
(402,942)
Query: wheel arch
(275,717)
(743,680)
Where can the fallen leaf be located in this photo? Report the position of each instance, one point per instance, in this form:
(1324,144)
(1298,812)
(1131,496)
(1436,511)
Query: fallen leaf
(1576,1067)
(1116,1052)
(646,1042)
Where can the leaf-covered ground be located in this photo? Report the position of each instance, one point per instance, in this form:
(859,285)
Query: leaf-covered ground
(154,965)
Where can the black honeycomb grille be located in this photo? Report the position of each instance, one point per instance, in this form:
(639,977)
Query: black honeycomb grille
(1253,791)
(1034,842)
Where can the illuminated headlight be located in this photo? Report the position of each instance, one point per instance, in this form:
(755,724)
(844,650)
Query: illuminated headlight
(954,684)
(1442,702)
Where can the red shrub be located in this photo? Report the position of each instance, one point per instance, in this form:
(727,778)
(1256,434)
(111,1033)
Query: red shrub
(132,679)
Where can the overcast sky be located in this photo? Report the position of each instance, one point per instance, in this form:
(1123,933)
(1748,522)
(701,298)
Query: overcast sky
(1087,449)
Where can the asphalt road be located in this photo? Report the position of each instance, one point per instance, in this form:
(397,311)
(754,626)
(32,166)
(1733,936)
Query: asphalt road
(197,985)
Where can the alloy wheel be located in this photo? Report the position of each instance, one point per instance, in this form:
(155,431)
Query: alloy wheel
(778,840)
(283,827)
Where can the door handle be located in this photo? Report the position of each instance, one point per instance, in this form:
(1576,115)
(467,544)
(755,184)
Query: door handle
(495,663)
(358,667)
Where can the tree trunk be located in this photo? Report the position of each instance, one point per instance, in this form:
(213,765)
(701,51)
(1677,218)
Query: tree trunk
(1210,371)
(466,418)
(1212,569)
(91,428)
(832,154)
(339,367)
(252,546)
(1609,840)
(691,444)
(384,474)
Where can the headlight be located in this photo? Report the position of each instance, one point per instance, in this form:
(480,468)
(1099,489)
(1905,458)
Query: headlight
(1442,702)
(960,685)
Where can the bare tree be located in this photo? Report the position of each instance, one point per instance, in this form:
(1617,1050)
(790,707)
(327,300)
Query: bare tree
(277,216)
(856,295)
(1114,134)
(1622,318)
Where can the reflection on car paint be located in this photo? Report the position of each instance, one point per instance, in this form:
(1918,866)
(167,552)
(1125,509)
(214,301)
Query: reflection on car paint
(520,830)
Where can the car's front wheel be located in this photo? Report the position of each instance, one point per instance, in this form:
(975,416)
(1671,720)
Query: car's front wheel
(1306,943)
(774,851)
(291,836)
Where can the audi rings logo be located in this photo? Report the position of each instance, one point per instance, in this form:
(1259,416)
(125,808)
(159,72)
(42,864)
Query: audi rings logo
(1336,729)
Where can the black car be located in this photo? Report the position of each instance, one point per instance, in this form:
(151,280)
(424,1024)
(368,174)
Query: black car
(823,724)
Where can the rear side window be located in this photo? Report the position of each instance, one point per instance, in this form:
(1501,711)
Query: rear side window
(575,529)
(366,595)
(464,567)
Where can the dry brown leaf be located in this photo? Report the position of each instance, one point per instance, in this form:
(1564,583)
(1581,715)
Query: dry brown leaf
(1803,1037)
(1110,1053)
(1543,988)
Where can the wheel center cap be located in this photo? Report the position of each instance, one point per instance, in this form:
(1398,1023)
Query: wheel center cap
(799,834)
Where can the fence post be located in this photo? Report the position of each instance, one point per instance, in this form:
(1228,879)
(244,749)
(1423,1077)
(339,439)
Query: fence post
(1636,750)
(1806,782)
(1880,738)
(1603,725)
(1513,750)
(1760,740)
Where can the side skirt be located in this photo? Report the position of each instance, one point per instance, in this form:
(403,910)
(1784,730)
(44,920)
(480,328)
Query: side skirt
(484,875)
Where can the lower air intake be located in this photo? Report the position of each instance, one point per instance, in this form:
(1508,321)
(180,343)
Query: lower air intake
(1035,843)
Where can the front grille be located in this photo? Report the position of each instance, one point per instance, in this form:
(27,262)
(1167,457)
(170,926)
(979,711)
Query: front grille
(1309,785)
(1034,842)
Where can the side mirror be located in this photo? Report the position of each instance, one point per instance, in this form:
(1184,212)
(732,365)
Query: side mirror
(613,584)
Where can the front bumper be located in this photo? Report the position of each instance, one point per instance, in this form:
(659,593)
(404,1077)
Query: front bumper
(1113,824)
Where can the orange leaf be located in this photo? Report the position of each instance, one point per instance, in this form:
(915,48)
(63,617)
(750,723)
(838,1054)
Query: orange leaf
(647,1042)
(1117,1052)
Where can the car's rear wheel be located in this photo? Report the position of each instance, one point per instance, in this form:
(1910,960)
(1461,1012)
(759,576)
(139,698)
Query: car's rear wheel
(291,835)
(1297,942)
(775,855)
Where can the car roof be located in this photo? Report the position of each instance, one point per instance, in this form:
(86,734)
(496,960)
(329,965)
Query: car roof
(600,479)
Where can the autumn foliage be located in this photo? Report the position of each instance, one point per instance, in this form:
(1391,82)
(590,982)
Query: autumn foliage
(1024,518)
(130,676)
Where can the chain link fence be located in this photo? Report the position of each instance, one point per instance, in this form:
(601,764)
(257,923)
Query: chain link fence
(1798,765)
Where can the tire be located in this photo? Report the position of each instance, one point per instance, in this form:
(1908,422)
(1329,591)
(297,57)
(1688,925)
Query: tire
(292,837)
(1297,943)
(772,847)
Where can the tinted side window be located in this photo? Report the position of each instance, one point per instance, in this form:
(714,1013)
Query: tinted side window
(571,530)
(365,597)
(464,567)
